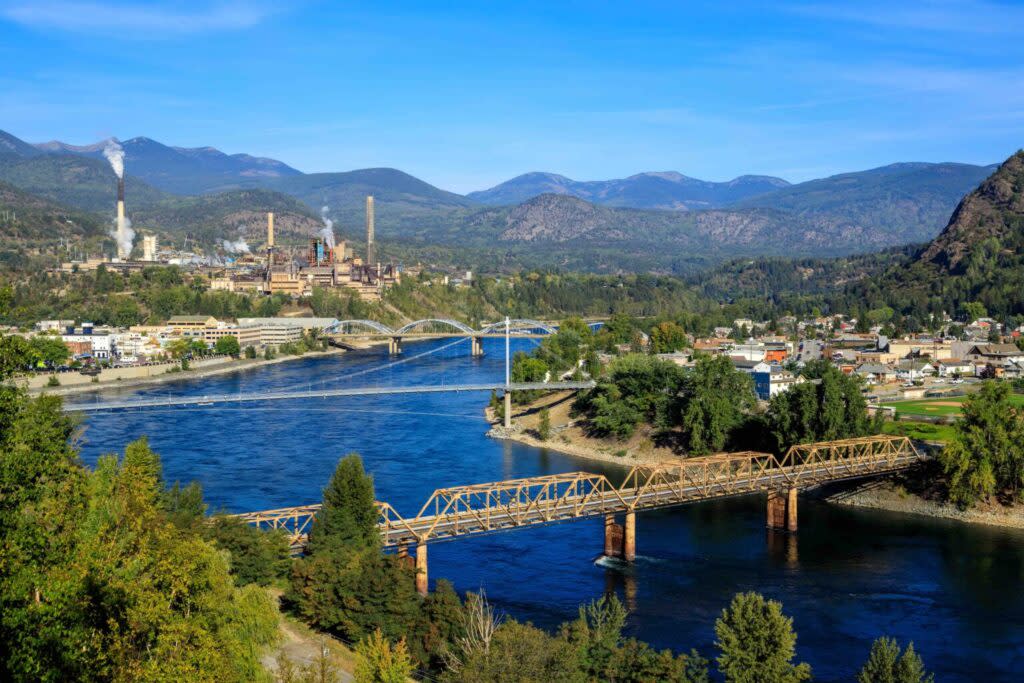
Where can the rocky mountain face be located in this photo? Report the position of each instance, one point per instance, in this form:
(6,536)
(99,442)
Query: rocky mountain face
(553,218)
(654,190)
(993,213)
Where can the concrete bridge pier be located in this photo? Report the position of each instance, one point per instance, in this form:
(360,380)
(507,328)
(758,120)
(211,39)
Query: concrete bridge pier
(782,510)
(620,539)
(421,568)
(629,537)
(394,346)
(477,346)
(508,409)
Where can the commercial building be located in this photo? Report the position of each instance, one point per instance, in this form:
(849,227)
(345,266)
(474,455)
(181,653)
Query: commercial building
(246,336)
(191,325)
(276,335)
(305,323)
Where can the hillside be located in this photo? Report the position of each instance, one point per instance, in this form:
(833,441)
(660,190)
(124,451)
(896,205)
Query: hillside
(12,147)
(653,190)
(75,181)
(404,205)
(229,215)
(181,170)
(27,218)
(991,215)
(979,256)
(570,221)
(912,200)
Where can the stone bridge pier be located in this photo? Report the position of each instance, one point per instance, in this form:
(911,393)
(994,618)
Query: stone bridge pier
(394,346)
(477,346)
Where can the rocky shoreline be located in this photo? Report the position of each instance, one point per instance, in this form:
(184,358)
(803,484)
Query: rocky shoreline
(894,498)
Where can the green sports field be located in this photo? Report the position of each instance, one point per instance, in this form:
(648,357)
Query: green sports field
(919,430)
(940,406)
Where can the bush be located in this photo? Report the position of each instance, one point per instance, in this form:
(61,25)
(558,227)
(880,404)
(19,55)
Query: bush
(54,382)
(259,557)
(544,428)
(378,661)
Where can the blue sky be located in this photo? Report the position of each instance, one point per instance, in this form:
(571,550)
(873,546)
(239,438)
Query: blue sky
(467,94)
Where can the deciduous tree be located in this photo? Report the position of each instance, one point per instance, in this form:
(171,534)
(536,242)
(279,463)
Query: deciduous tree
(986,454)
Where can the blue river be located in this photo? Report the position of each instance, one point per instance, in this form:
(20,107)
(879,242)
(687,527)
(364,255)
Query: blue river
(955,590)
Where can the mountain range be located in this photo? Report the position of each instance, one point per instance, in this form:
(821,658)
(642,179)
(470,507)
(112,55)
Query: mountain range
(655,190)
(654,220)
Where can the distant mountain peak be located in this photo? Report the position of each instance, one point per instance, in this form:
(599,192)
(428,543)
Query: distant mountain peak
(670,190)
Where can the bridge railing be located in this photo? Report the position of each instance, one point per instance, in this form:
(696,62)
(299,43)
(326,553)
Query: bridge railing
(481,508)
(830,460)
(701,477)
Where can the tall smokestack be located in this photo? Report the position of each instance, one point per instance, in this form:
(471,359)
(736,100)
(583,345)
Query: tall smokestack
(369,230)
(123,233)
(120,205)
(270,230)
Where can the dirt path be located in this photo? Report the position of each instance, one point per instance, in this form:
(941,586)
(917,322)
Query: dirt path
(302,648)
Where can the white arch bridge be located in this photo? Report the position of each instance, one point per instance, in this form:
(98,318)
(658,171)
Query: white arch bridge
(441,328)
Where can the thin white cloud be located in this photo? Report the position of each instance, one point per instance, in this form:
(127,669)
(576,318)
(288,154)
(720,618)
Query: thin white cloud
(939,16)
(134,21)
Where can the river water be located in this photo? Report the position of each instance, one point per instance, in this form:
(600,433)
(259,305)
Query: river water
(850,575)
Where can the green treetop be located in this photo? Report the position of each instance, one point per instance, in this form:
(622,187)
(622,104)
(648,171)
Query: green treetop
(756,642)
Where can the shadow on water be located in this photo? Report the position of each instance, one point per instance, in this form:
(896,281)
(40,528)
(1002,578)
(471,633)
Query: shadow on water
(848,576)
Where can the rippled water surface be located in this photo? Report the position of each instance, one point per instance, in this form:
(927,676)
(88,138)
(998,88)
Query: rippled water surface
(956,590)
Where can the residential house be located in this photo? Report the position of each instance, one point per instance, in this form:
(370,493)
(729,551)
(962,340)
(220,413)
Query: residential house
(875,373)
(996,355)
(913,370)
(951,367)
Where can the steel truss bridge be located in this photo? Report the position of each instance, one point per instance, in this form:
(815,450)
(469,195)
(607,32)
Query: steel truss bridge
(485,508)
(250,397)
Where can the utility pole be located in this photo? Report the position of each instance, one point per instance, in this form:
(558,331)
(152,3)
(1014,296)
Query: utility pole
(508,377)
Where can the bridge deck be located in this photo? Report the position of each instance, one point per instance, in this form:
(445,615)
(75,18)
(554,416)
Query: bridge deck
(485,508)
(210,399)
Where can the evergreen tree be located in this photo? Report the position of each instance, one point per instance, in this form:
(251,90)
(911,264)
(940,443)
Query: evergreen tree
(886,665)
(349,514)
(756,642)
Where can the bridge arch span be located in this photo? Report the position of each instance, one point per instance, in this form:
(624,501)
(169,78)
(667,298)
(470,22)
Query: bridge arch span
(461,327)
(519,325)
(366,324)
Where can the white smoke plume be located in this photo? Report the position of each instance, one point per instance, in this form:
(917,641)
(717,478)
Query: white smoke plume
(239,246)
(327,232)
(115,155)
(124,236)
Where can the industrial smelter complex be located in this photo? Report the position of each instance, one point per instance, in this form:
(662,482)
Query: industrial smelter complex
(277,269)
